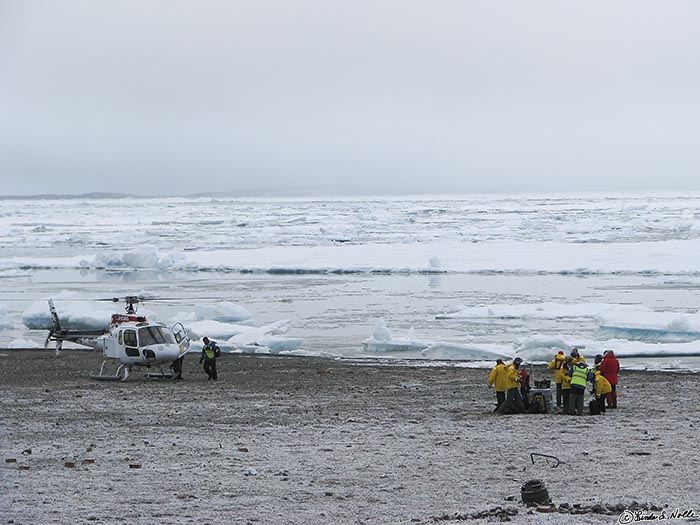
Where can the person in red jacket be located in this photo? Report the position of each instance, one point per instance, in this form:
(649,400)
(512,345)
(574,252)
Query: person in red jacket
(609,367)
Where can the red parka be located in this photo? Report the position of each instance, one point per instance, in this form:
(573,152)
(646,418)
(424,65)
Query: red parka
(609,367)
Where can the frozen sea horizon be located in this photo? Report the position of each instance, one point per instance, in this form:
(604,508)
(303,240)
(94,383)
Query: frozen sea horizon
(335,267)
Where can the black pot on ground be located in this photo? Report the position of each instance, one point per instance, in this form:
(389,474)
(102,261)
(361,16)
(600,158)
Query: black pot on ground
(534,492)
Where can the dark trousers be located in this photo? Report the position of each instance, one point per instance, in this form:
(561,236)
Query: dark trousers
(500,398)
(513,403)
(559,395)
(524,390)
(576,401)
(612,397)
(177,367)
(210,368)
(566,394)
(601,403)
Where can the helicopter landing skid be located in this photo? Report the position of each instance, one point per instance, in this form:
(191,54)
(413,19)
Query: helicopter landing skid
(159,375)
(117,376)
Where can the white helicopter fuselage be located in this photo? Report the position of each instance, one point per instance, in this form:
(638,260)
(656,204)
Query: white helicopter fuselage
(130,339)
(134,341)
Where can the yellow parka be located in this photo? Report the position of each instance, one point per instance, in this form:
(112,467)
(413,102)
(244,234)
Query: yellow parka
(602,385)
(566,382)
(498,377)
(579,359)
(513,377)
(557,364)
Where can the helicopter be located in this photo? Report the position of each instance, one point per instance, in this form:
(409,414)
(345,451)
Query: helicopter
(131,340)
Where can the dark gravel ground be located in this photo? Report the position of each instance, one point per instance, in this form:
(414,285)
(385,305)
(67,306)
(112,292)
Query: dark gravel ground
(310,440)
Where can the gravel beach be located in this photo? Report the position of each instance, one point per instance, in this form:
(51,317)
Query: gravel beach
(309,440)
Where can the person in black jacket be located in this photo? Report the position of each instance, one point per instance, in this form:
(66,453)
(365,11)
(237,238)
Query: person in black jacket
(210,351)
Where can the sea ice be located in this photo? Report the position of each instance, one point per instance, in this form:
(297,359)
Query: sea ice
(650,326)
(451,351)
(5,322)
(73,313)
(224,312)
(23,343)
(547,310)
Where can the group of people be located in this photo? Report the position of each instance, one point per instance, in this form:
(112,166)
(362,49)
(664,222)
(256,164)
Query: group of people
(571,377)
(210,351)
(572,374)
(512,384)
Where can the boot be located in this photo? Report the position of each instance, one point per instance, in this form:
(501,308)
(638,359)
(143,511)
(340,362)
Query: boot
(614,399)
(609,399)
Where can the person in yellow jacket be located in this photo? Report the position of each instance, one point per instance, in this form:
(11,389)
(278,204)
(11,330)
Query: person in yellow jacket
(577,358)
(566,385)
(556,364)
(498,378)
(514,402)
(602,388)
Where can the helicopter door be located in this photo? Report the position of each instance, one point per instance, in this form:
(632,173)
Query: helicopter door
(181,337)
(130,343)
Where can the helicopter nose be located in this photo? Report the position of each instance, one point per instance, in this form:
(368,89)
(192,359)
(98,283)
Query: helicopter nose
(171,352)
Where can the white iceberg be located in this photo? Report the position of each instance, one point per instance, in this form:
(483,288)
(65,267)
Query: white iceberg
(651,326)
(382,341)
(73,313)
(224,311)
(458,352)
(247,339)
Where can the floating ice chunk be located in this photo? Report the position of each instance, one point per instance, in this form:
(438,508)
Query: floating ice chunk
(280,344)
(651,326)
(628,349)
(395,345)
(247,339)
(144,257)
(73,314)
(214,329)
(450,351)
(225,312)
(540,348)
(252,334)
(381,332)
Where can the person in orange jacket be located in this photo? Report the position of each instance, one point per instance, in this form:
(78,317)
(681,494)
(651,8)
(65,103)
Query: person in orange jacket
(498,379)
(556,364)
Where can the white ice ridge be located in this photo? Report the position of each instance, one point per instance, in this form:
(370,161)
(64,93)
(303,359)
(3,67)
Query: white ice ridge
(543,349)
(650,326)
(250,339)
(225,311)
(546,310)
(74,313)
(382,341)
(672,257)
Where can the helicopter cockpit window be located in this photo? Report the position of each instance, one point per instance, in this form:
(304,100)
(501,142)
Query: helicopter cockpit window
(154,335)
(130,338)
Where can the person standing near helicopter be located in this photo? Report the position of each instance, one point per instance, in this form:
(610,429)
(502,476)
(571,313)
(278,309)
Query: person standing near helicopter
(210,351)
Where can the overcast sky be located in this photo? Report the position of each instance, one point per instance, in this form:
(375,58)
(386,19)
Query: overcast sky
(173,97)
